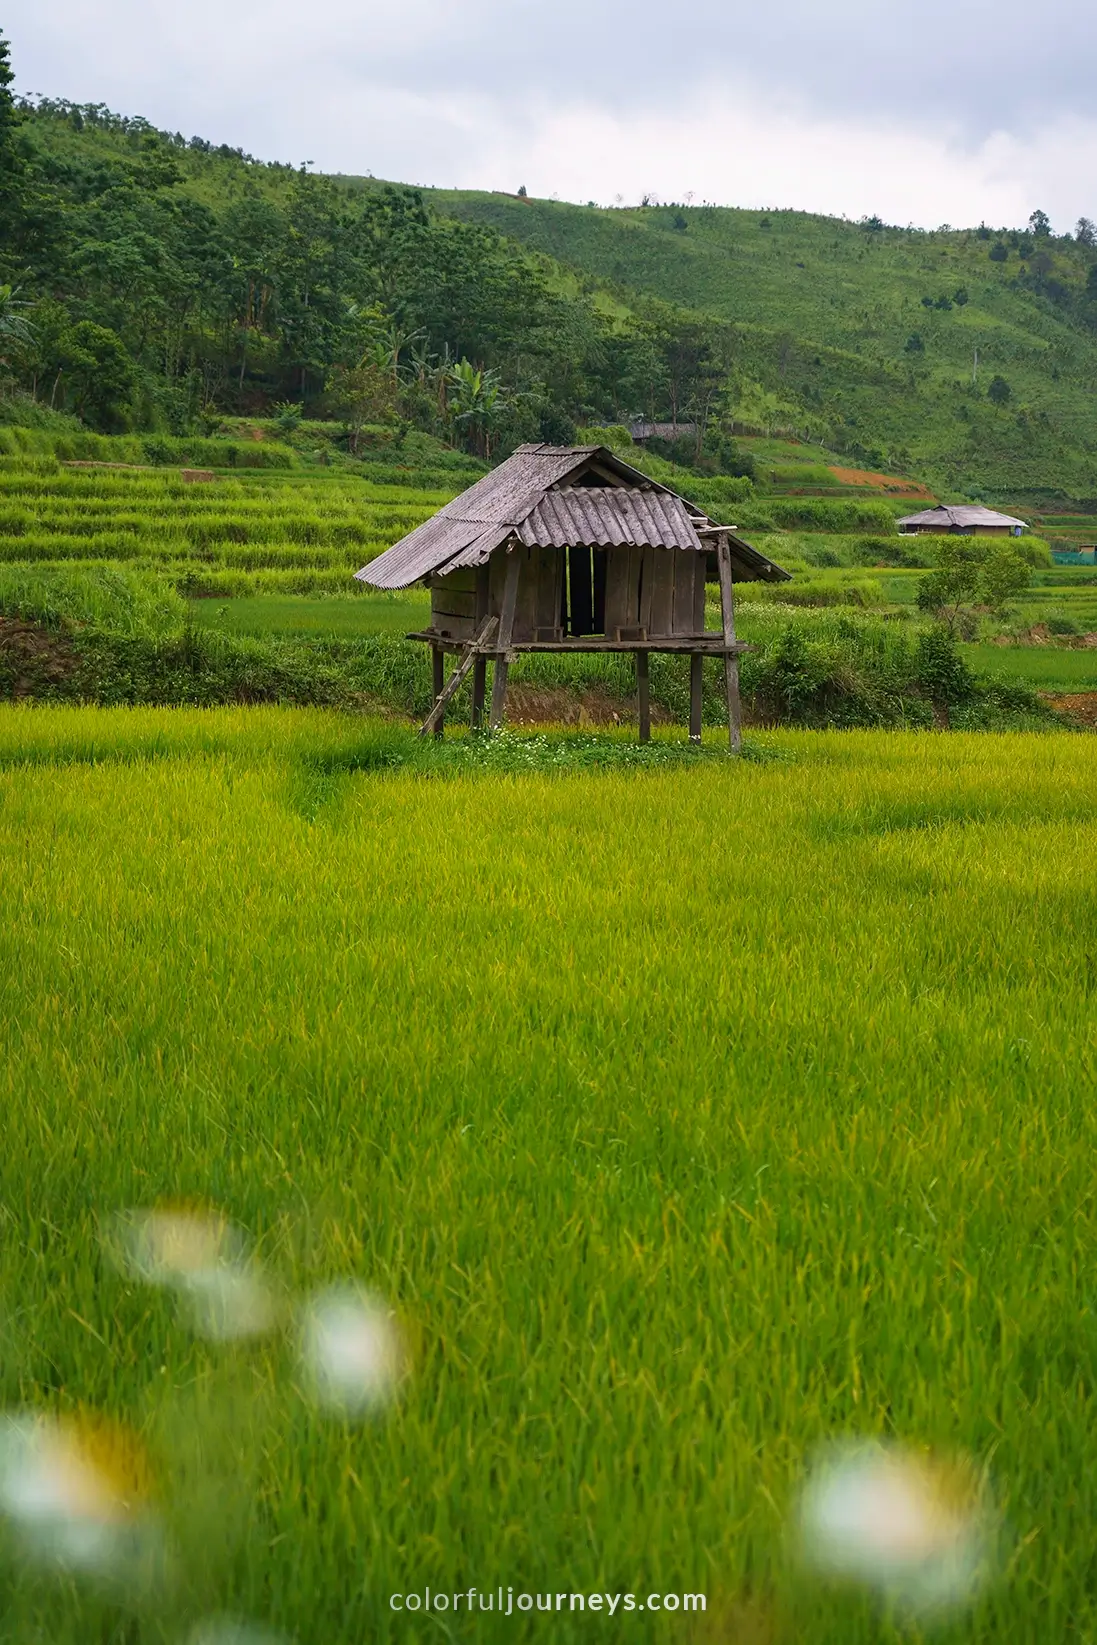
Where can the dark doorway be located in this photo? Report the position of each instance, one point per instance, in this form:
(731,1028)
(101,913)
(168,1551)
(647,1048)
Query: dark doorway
(585,594)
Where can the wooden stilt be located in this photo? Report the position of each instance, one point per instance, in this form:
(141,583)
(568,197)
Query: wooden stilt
(643,696)
(696,676)
(480,666)
(731,660)
(482,641)
(479,691)
(438,661)
(506,629)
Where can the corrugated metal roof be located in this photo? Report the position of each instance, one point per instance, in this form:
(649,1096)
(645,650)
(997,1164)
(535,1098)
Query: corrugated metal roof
(606,516)
(468,530)
(960,514)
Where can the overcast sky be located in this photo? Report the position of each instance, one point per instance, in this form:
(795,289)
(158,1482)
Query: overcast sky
(926,111)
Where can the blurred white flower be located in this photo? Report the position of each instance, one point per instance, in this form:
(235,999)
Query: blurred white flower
(226,1304)
(166,1247)
(351,1349)
(206,1260)
(224,1630)
(897,1522)
(73,1495)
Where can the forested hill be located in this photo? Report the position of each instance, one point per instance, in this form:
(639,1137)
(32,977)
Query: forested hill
(864,334)
(154,281)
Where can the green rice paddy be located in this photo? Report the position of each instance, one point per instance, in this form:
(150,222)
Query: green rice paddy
(688,1119)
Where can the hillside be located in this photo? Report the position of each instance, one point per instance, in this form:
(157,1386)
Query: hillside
(829,315)
(217,285)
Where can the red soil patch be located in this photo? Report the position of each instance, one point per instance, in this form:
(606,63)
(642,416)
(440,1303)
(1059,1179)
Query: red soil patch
(1079,706)
(33,657)
(894,484)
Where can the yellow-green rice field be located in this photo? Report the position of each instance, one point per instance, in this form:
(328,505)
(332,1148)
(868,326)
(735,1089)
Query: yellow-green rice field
(688,1116)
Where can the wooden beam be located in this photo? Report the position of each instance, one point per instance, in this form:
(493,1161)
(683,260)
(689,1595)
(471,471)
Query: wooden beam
(710,644)
(475,647)
(506,630)
(696,678)
(731,659)
(643,696)
(438,660)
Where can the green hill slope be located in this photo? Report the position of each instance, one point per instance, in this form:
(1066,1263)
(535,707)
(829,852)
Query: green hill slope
(825,312)
(166,283)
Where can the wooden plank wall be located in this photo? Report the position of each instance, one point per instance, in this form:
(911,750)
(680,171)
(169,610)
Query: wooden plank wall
(540,592)
(453,604)
(657,592)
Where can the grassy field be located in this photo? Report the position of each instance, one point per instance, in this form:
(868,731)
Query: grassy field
(332,618)
(1048,668)
(670,1170)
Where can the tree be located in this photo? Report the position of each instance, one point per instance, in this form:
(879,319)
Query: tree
(522,192)
(361,395)
(972,574)
(98,373)
(476,404)
(960,296)
(1086,233)
(914,343)
(999,392)
(1040,224)
(998,252)
(16,331)
(12,164)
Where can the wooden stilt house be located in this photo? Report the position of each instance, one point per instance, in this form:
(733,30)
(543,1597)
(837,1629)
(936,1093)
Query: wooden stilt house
(567,548)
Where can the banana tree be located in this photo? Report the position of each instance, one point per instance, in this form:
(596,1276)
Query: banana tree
(16,330)
(475,404)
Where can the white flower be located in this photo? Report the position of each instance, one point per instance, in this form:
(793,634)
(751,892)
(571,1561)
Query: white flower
(351,1350)
(73,1496)
(206,1260)
(226,1631)
(895,1521)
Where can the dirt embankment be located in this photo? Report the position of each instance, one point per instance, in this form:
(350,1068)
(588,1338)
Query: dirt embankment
(32,658)
(1079,706)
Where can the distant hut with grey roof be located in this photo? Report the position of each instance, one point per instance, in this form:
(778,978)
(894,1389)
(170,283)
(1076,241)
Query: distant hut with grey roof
(964,520)
(570,549)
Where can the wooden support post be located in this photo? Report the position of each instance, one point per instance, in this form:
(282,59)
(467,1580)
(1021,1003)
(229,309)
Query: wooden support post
(481,641)
(643,696)
(479,691)
(438,659)
(731,660)
(506,629)
(480,666)
(696,677)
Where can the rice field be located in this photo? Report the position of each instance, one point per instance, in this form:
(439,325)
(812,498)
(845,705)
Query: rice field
(685,1119)
(299,530)
(1048,668)
(371,612)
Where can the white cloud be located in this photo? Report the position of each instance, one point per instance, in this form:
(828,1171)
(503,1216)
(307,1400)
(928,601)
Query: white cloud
(919,111)
(738,149)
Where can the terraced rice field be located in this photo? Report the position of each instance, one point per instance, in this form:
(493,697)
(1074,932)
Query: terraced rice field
(296,531)
(687,1118)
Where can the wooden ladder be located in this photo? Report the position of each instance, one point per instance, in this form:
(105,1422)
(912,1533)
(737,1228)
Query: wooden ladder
(480,643)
